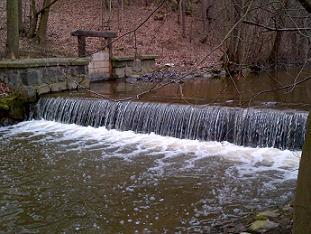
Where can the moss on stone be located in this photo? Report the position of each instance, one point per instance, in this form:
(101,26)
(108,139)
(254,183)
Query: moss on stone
(12,107)
(6,102)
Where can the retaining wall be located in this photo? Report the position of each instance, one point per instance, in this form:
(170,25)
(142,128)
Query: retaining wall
(34,77)
(126,66)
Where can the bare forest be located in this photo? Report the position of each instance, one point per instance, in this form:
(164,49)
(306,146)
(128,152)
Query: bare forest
(155,116)
(205,33)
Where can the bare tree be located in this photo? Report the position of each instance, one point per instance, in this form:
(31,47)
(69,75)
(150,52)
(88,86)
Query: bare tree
(268,35)
(42,29)
(302,205)
(182,17)
(306,4)
(20,16)
(33,20)
(12,29)
(40,17)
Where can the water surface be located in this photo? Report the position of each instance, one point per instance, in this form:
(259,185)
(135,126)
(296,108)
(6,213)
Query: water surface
(68,178)
(264,90)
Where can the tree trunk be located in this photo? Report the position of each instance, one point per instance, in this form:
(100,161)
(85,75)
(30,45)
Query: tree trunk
(280,21)
(12,29)
(306,4)
(20,16)
(233,54)
(120,14)
(302,205)
(182,16)
(43,24)
(33,20)
(204,7)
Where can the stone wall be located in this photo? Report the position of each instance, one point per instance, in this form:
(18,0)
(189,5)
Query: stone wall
(127,66)
(34,77)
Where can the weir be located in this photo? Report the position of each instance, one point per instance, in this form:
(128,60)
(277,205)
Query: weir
(283,129)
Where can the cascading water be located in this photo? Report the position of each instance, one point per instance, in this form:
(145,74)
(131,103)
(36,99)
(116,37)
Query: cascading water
(247,127)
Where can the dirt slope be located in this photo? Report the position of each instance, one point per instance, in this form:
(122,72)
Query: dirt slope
(162,37)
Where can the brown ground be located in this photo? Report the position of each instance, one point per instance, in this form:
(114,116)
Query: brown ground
(160,37)
(4,89)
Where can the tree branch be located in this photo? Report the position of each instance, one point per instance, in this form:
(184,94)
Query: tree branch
(46,7)
(274,29)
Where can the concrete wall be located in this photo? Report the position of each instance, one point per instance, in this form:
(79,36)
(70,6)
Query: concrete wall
(127,66)
(34,77)
(99,66)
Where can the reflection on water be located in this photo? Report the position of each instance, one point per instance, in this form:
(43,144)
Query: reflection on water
(227,91)
(67,178)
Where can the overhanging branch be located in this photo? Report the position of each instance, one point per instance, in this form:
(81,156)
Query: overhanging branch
(274,29)
(46,7)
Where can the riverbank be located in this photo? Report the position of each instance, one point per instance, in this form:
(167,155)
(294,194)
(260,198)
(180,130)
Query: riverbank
(12,106)
(278,220)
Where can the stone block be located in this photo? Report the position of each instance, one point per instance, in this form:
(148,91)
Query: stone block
(60,73)
(148,65)
(263,226)
(99,70)
(146,68)
(76,70)
(57,87)
(85,83)
(4,77)
(82,70)
(119,64)
(119,73)
(52,75)
(129,63)
(72,85)
(47,76)
(29,91)
(100,64)
(13,78)
(128,71)
(137,65)
(43,89)
(29,77)
(100,56)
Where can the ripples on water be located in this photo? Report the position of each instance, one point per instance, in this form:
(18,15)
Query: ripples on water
(66,178)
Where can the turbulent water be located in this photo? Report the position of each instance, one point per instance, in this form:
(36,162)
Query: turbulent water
(98,166)
(68,178)
(247,127)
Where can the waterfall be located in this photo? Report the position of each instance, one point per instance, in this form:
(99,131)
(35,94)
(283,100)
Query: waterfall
(248,127)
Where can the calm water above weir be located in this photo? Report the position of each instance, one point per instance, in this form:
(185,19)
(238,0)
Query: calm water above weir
(264,90)
(70,170)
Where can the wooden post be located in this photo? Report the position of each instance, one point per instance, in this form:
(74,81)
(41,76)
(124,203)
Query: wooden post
(82,35)
(81,46)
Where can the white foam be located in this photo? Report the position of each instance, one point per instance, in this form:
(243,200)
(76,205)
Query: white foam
(248,161)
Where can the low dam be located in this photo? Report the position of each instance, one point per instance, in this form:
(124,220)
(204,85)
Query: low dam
(81,163)
(241,126)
